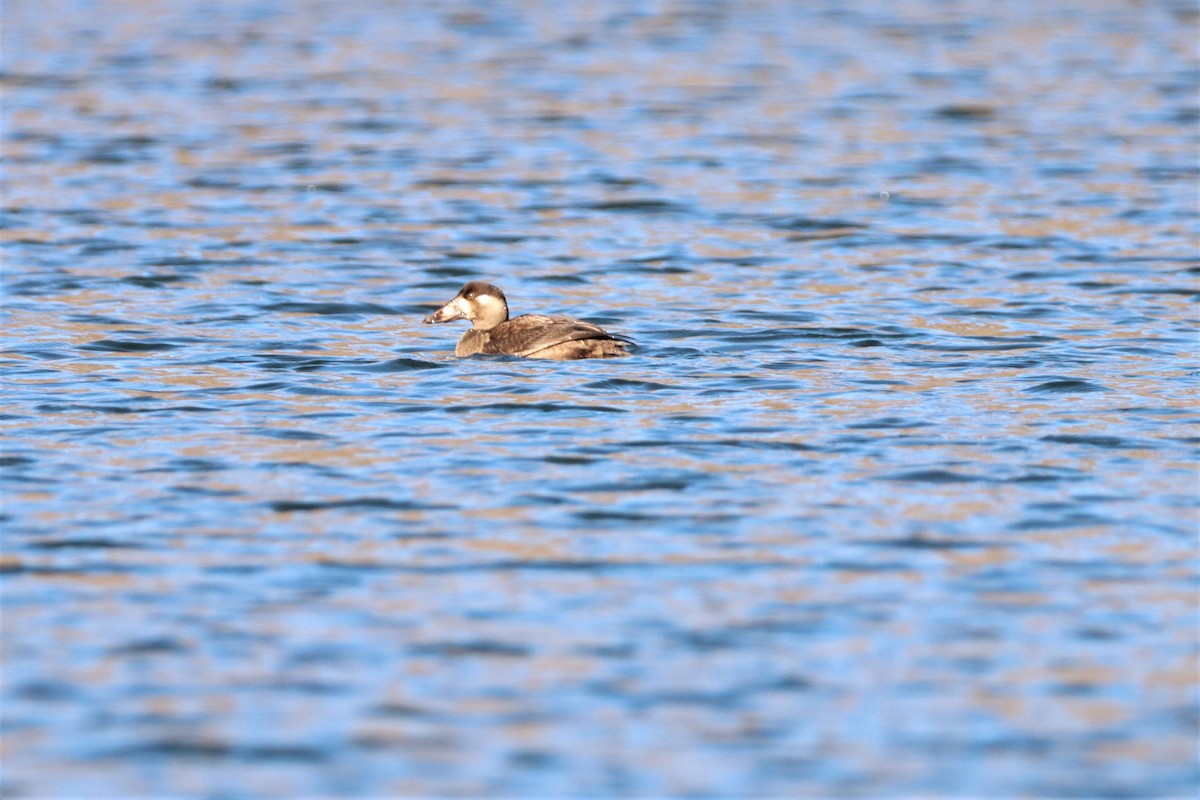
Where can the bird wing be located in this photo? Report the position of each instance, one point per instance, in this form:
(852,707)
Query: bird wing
(529,333)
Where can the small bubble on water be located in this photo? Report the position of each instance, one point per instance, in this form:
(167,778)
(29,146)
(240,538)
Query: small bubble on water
(312,187)
(884,195)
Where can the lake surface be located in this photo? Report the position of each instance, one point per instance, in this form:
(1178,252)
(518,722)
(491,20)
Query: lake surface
(897,496)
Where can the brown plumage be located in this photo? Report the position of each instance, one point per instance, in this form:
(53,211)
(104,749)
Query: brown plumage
(529,335)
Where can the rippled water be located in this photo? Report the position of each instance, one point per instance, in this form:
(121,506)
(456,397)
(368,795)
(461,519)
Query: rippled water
(897,496)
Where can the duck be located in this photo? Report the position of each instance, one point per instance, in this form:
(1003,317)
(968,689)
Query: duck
(527,336)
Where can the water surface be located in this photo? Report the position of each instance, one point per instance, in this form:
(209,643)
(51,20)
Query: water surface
(897,495)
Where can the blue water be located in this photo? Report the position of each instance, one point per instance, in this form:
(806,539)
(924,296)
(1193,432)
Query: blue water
(897,495)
